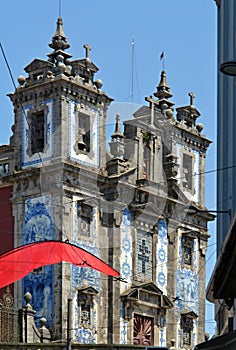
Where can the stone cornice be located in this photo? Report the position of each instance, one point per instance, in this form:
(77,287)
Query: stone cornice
(62,85)
(191,138)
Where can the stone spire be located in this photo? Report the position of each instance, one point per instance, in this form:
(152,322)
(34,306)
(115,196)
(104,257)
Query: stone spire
(117,140)
(59,40)
(163,89)
(163,92)
(117,134)
(162,103)
(117,165)
(59,44)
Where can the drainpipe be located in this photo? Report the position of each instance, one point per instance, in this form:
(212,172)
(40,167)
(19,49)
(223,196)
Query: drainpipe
(69,323)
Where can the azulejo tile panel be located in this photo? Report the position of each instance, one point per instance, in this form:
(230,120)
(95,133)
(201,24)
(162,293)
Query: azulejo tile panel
(125,266)
(85,276)
(162,256)
(39,226)
(187,283)
(187,290)
(126,250)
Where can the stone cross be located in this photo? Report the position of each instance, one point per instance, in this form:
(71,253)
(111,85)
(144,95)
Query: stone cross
(87,50)
(151,101)
(192,97)
(152,104)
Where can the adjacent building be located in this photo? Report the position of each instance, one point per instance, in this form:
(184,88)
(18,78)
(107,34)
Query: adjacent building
(6,214)
(226,155)
(221,289)
(126,205)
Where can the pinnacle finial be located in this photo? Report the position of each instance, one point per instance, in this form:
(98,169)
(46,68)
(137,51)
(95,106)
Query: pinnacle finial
(117,132)
(163,89)
(117,140)
(163,82)
(59,40)
(117,129)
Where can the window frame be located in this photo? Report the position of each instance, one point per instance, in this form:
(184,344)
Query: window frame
(32,117)
(140,275)
(187,243)
(86,298)
(4,168)
(187,326)
(188,182)
(81,135)
(84,214)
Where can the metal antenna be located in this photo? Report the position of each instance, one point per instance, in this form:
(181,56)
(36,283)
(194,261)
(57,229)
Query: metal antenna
(59,8)
(132,88)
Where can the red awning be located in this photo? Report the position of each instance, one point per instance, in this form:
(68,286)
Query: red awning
(17,263)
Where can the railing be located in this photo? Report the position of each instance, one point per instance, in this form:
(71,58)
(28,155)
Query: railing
(9,326)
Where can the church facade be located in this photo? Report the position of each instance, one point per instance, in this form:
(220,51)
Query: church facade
(126,205)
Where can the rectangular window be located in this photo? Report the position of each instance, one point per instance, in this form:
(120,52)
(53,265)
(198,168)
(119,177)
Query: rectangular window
(4,168)
(146,162)
(187,328)
(144,256)
(85,215)
(85,314)
(187,171)
(187,251)
(186,336)
(37,132)
(187,256)
(84,131)
(86,306)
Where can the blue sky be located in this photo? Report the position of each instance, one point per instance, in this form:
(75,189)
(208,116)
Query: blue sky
(185,30)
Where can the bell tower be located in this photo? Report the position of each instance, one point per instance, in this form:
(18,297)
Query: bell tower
(59,146)
(60,109)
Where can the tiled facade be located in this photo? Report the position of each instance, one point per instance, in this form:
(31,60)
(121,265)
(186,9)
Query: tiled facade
(126,205)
